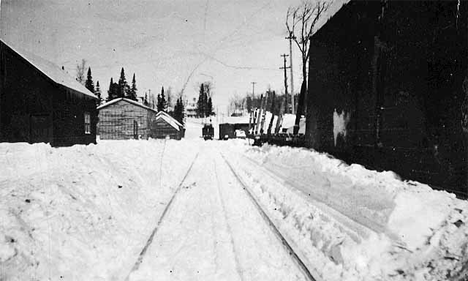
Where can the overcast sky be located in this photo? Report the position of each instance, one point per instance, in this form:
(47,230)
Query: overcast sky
(168,43)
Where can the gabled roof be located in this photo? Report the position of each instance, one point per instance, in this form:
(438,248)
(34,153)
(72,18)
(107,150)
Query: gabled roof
(126,100)
(169,119)
(51,70)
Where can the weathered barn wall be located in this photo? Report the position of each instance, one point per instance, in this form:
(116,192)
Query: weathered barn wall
(26,102)
(385,88)
(124,120)
(69,120)
(33,108)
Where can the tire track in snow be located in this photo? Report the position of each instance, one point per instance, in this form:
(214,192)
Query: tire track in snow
(155,230)
(294,256)
(228,225)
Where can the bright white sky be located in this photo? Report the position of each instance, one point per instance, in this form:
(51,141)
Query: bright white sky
(165,42)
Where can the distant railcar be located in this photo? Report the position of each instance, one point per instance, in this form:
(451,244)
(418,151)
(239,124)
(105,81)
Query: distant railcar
(208,132)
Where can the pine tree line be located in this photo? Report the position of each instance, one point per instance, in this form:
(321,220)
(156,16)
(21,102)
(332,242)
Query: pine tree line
(121,89)
(162,102)
(89,84)
(205,103)
(179,111)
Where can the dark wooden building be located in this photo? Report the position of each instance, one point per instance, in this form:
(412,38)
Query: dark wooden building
(229,129)
(386,89)
(40,102)
(165,126)
(122,118)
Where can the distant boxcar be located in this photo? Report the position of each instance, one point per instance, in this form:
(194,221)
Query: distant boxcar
(228,130)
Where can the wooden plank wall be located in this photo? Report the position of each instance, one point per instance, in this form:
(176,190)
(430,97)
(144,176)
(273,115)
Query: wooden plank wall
(116,121)
(160,129)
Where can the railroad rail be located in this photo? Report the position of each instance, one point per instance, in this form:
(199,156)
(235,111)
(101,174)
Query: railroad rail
(163,215)
(287,245)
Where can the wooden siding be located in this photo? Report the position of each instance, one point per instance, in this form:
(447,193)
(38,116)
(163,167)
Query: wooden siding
(396,80)
(118,121)
(160,129)
(33,108)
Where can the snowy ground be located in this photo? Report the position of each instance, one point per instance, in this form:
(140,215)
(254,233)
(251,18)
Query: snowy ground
(87,213)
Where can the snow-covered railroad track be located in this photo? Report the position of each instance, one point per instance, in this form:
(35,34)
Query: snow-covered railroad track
(155,230)
(287,245)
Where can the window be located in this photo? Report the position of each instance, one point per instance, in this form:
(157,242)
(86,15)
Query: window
(87,123)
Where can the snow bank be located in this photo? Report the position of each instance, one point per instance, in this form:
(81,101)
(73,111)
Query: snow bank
(83,212)
(355,224)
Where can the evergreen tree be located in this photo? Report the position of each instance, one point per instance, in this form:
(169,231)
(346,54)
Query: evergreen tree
(110,92)
(162,103)
(204,103)
(201,109)
(179,111)
(132,94)
(98,93)
(123,87)
(89,84)
(145,101)
(209,107)
(169,97)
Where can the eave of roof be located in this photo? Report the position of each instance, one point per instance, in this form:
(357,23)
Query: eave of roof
(335,6)
(169,121)
(162,113)
(126,100)
(51,70)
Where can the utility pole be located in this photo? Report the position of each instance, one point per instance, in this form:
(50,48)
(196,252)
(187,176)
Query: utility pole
(285,82)
(291,37)
(254,117)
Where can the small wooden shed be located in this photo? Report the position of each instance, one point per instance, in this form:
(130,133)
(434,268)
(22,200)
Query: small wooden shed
(165,126)
(123,118)
(39,102)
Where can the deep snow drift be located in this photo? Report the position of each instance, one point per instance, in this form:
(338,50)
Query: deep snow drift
(83,212)
(86,212)
(354,224)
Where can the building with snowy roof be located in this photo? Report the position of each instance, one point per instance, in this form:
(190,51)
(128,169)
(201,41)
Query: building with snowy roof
(123,118)
(165,126)
(388,89)
(40,102)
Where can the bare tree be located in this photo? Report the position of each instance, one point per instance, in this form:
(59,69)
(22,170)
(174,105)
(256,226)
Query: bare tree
(300,22)
(236,103)
(80,72)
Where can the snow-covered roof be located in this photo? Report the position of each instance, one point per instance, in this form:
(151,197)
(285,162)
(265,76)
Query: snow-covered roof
(51,70)
(169,119)
(127,100)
